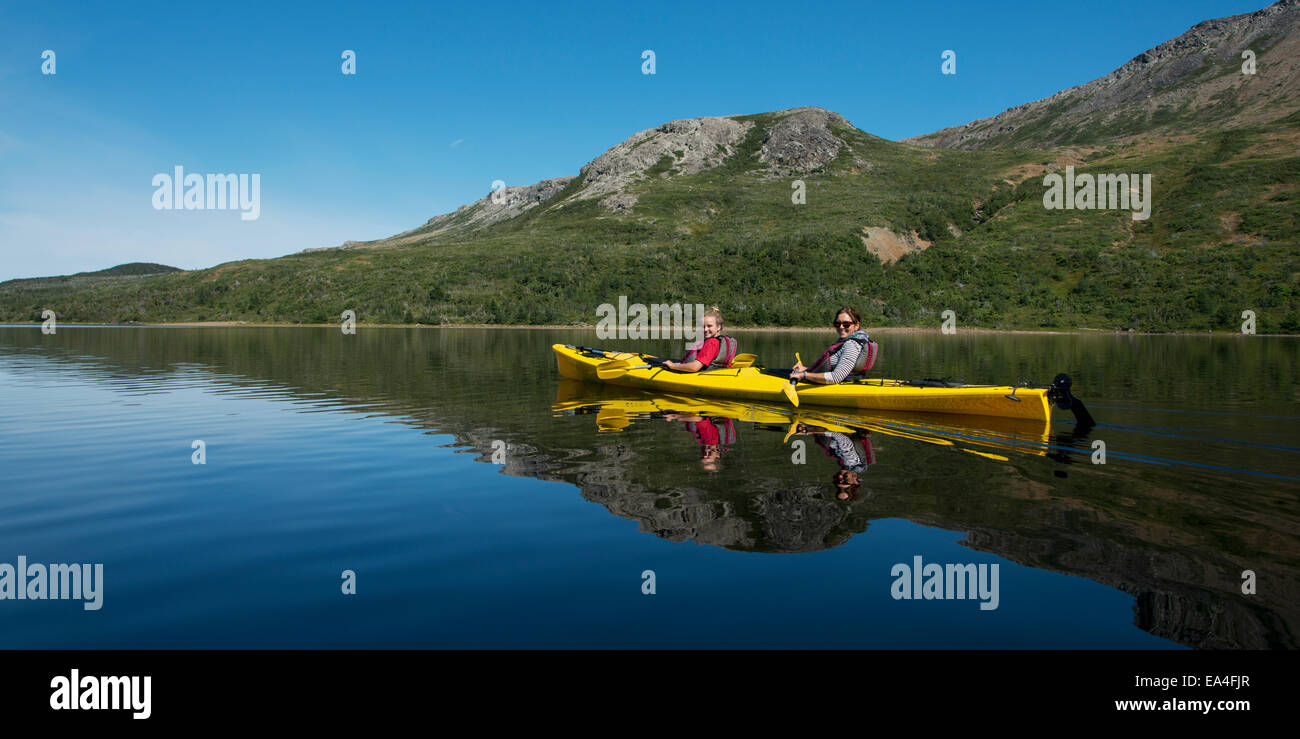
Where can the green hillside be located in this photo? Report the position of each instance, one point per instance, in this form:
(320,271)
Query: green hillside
(700,222)
(1222,238)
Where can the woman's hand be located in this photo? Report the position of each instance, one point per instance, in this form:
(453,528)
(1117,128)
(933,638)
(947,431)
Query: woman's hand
(798,371)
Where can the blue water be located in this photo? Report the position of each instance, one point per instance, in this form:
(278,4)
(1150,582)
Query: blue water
(301,484)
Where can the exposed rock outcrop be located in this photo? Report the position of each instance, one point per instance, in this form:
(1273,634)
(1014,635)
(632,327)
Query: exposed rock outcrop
(888,246)
(503,204)
(801,141)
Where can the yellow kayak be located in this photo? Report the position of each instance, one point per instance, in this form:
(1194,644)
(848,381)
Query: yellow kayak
(616,408)
(751,383)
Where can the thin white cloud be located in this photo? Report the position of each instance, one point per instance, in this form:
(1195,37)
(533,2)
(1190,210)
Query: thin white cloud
(456,143)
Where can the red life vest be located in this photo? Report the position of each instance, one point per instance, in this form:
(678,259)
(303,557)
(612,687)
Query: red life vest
(708,432)
(866,357)
(726,352)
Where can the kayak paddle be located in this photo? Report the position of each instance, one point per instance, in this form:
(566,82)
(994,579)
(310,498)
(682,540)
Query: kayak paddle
(619,367)
(788,388)
(612,419)
(794,426)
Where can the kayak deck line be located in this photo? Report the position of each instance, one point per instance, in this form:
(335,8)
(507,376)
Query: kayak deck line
(752,383)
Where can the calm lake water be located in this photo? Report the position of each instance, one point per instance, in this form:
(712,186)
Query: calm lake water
(482,502)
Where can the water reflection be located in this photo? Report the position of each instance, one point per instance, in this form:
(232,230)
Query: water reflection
(1019,489)
(824,454)
(1201,482)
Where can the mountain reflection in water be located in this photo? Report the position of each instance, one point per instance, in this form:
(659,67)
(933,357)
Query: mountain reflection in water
(1201,481)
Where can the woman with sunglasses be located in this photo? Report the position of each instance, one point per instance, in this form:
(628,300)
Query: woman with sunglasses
(854,348)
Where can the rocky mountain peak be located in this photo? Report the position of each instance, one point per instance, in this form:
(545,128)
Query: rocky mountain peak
(685,147)
(1192,74)
(800,141)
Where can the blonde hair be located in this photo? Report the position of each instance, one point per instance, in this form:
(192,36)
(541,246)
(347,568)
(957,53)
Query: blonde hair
(717,315)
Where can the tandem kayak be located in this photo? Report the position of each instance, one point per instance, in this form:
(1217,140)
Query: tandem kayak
(616,408)
(752,383)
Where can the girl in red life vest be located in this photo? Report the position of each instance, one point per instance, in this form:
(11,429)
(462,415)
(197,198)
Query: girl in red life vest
(715,352)
(854,349)
(712,434)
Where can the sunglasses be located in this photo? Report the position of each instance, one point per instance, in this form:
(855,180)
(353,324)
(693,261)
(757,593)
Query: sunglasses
(841,324)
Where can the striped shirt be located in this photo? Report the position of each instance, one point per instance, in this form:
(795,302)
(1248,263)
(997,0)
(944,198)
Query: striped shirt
(843,361)
(843,448)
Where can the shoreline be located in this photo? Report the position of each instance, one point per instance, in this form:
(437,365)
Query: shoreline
(736,329)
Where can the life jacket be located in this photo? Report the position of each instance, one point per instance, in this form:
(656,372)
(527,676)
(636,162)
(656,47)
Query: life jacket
(713,431)
(868,454)
(726,353)
(866,357)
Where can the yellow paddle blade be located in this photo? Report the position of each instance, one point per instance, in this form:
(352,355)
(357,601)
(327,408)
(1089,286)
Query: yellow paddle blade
(794,426)
(611,370)
(611,419)
(790,394)
(789,390)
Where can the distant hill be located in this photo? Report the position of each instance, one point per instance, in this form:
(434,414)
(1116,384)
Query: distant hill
(707,210)
(99,282)
(1191,83)
(130,269)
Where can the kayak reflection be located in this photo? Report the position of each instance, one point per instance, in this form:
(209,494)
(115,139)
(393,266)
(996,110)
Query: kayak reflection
(773,494)
(843,434)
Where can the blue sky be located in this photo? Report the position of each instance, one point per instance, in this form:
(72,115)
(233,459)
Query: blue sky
(449,97)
